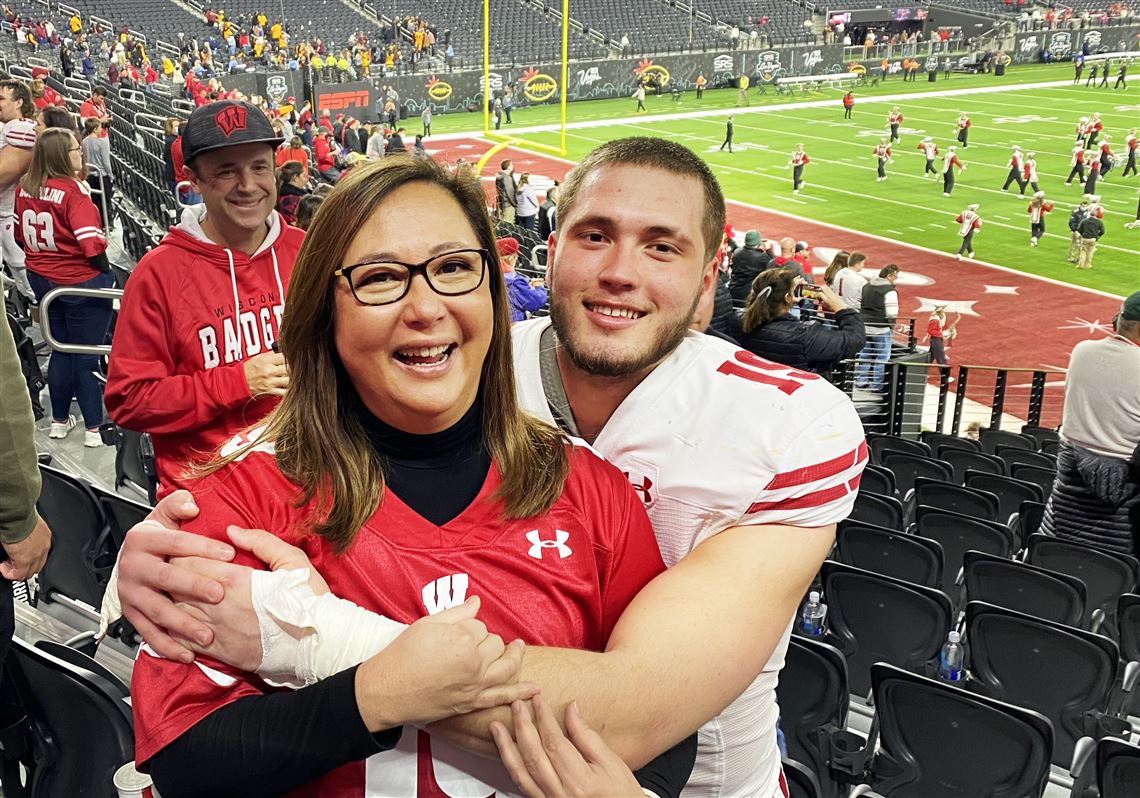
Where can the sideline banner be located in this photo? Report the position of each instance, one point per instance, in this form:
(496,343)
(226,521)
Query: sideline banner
(351,99)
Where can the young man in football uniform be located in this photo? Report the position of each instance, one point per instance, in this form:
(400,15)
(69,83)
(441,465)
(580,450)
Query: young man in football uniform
(882,154)
(798,161)
(930,151)
(17,140)
(894,119)
(1016,167)
(743,520)
(969,222)
(949,161)
(1131,143)
(1077,161)
(1037,210)
(964,131)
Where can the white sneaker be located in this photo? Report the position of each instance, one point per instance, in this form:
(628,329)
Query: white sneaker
(59,429)
(1033,242)
(970,255)
(958,256)
(946,193)
(92,439)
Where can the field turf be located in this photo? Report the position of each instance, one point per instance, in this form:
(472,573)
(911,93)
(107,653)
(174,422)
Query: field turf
(841,187)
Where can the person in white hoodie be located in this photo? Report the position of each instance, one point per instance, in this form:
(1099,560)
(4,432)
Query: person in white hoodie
(194,360)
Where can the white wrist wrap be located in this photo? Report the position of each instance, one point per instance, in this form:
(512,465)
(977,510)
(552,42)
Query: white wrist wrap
(305,637)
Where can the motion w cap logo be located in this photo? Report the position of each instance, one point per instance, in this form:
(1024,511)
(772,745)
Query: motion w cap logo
(559,544)
(230,120)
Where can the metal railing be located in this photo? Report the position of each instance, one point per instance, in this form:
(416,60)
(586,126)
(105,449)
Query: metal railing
(45,327)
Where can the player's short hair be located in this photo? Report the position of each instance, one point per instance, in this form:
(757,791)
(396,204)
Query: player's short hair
(22,94)
(888,270)
(856,257)
(653,153)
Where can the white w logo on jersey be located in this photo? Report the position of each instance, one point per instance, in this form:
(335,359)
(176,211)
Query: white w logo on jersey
(445,593)
(559,543)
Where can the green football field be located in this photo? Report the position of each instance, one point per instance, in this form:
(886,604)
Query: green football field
(841,187)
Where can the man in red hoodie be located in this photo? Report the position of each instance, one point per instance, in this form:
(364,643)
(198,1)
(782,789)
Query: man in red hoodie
(193,360)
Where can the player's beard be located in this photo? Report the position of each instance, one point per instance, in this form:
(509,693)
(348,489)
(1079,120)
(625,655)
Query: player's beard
(605,364)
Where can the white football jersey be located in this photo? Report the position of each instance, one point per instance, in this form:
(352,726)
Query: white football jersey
(17,133)
(716,437)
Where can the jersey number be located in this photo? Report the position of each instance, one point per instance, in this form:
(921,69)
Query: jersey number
(756,369)
(39,233)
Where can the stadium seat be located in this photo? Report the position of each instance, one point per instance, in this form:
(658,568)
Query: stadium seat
(958,534)
(992,438)
(1041,477)
(1010,492)
(1050,447)
(1041,434)
(1128,625)
(889,552)
(877,479)
(134,463)
(906,467)
(76,729)
(957,498)
(813,700)
(963,460)
(802,782)
(1065,673)
(879,443)
(121,513)
(1107,575)
(936,740)
(1015,454)
(80,560)
(875,618)
(1026,588)
(884,511)
(938,439)
(1029,518)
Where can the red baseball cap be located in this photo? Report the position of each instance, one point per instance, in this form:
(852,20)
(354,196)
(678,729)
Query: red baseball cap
(508,246)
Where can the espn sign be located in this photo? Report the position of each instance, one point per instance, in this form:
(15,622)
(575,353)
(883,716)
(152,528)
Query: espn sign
(350,99)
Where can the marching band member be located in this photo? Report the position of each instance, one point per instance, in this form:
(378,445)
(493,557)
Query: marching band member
(882,154)
(930,150)
(969,222)
(1078,163)
(894,119)
(1037,210)
(1016,164)
(949,161)
(798,161)
(964,130)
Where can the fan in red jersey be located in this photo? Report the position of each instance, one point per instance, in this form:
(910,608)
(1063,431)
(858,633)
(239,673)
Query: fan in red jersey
(58,226)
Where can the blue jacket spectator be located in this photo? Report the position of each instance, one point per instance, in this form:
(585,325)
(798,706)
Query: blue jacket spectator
(525,295)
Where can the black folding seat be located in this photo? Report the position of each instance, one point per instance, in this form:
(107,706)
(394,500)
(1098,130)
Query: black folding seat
(1066,674)
(992,438)
(935,440)
(1029,519)
(958,498)
(1041,477)
(134,463)
(936,740)
(906,467)
(1010,492)
(80,560)
(879,443)
(121,513)
(1041,434)
(1107,575)
(1015,454)
(958,534)
(875,618)
(802,782)
(963,460)
(889,552)
(813,699)
(1050,447)
(1128,633)
(877,479)
(884,511)
(1026,588)
(73,729)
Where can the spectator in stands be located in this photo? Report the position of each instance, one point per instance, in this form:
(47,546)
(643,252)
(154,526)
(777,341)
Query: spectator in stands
(97,156)
(425,119)
(170,136)
(838,261)
(849,281)
(747,263)
(769,329)
(17,140)
(548,213)
(526,204)
(526,295)
(44,95)
(325,156)
(66,246)
(194,360)
(396,143)
(377,144)
(1096,495)
(25,538)
(787,259)
(54,116)
(879,309)
(292,185)
(95,106)
(506,192)
(306,210)
(295,151)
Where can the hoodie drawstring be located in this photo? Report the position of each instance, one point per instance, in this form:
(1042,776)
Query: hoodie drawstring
(233,282)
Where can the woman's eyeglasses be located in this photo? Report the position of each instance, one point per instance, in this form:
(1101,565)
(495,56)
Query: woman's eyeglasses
(385,282)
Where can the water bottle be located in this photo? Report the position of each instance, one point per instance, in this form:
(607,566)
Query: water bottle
(813,615)
(950,661)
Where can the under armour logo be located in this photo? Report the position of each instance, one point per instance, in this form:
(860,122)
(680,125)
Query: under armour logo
(644,489)
(445,593)
(559,543)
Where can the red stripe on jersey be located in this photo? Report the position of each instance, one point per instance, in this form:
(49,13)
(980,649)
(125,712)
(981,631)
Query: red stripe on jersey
(815,499)
(818,471)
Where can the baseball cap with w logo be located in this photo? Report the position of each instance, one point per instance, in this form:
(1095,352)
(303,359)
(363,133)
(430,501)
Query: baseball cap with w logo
(225,123)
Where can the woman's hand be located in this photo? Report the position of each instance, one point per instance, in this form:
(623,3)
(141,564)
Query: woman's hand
(442,665)
(545,763)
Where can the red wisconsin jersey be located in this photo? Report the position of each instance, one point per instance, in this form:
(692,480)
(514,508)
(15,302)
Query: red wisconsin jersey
(59,230)
(559,579)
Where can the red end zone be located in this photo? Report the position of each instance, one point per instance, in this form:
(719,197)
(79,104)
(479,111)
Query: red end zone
(1009,319)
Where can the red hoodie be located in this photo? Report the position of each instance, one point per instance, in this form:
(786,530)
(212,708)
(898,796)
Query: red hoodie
(177,370)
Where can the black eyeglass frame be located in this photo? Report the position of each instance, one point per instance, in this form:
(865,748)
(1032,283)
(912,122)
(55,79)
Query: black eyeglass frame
(413,270)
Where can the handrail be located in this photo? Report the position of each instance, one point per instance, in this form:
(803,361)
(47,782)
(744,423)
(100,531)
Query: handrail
(67,290)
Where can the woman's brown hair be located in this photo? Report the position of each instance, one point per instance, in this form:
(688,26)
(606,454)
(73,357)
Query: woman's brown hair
(319,442)
(838,263)
(50,158)
(763,306)
(288,171)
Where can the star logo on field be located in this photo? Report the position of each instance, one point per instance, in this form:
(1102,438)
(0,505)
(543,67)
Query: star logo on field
(1088,326)
(966,308)
(1001,289)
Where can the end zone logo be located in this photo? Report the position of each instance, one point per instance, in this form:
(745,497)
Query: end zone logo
(768,65)
(538,87)
(647,69)
(437,89)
